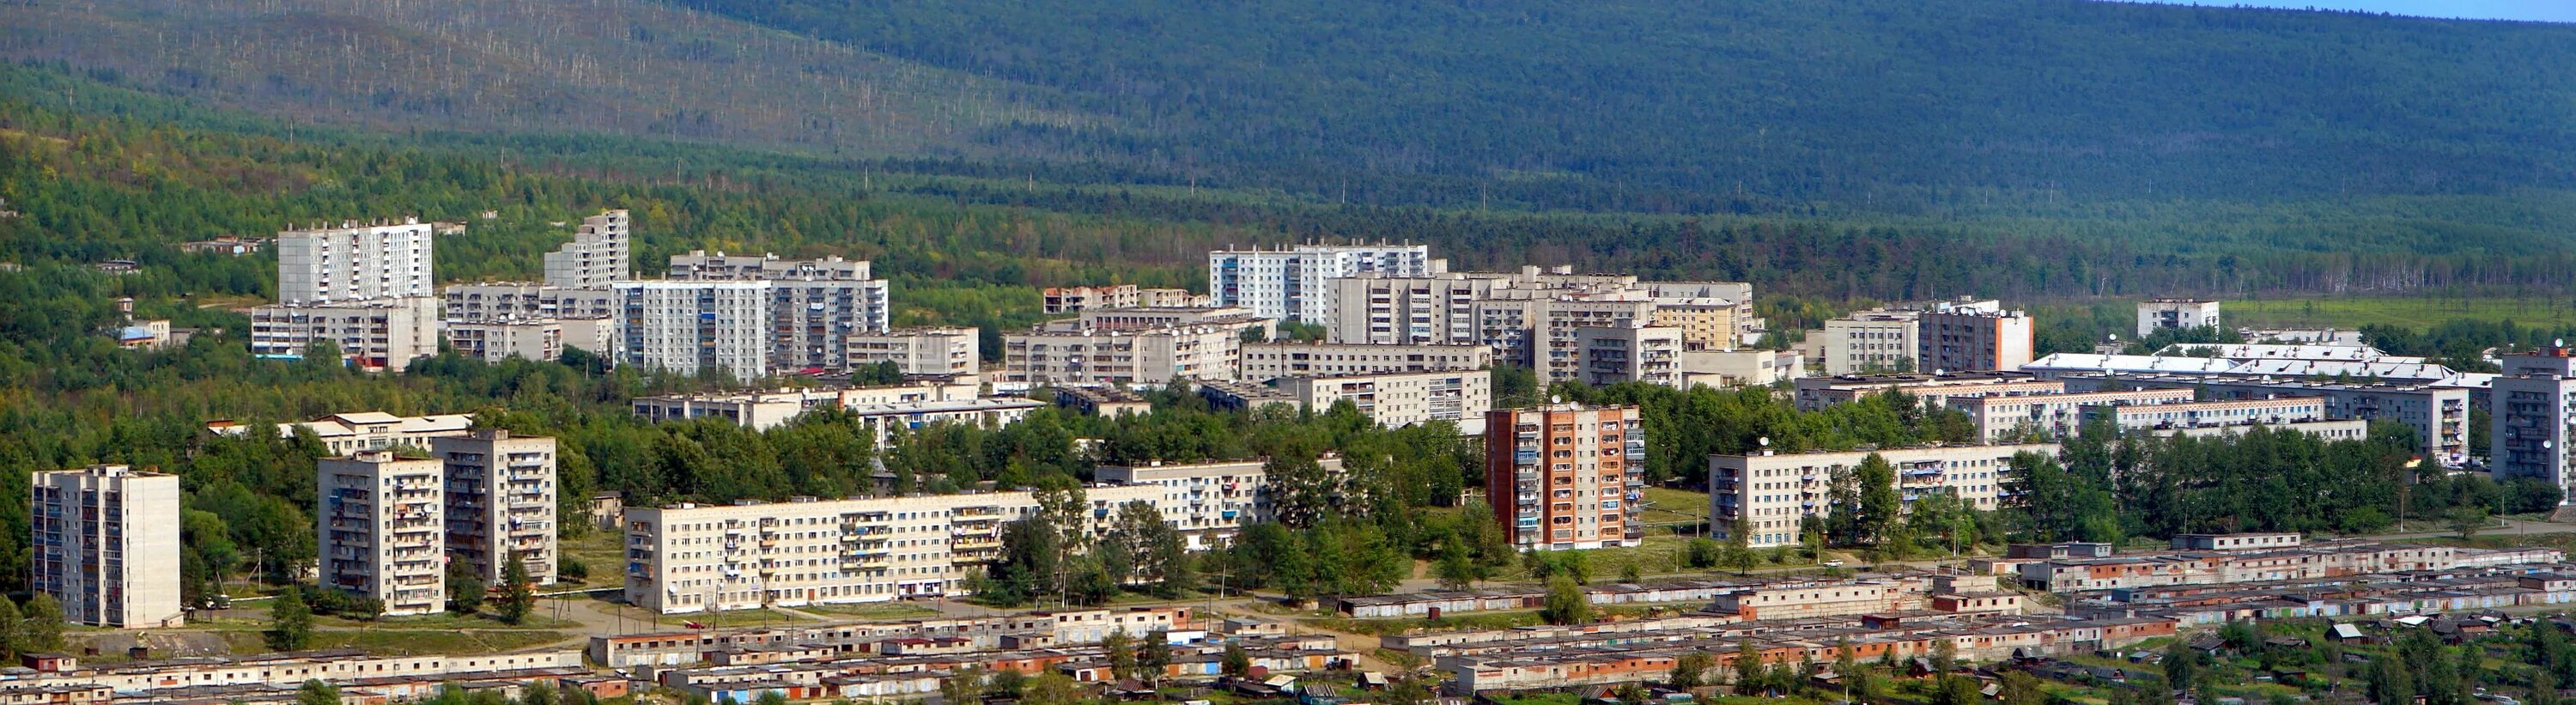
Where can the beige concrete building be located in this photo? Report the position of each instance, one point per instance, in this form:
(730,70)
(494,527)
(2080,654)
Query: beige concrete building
(1566,476)
(500,496)
(372,334)
(381,522)
(106,545)
(1070,299)
(1872,342)
(1267,361)
(1706,324)
(1773,492)
(1741,368)
(686,557)
(1834,598)
(351,433)
(601,252)
(535,339)
(2052,416)
(1631,353)
(1207,502)
(1936,390)
(919,351)
(1124,357)
(1403,399)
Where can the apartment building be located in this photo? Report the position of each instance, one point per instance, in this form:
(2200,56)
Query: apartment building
(1545,334)
(355,262)
(1932,389)
(106,545)
(513,301)
(1147,318)
(696,327)
(1774,492)
(807,312)
(1975,340)
(1872,342)
(937,351)
(600,253)
(351,433)
(2175,314)
(2437,414)
(1705,324)
(2208,414)
(1632,353)
(1070,299)
(2533,406)
(372,334)
(2280,361)
(1267,361)
(500,491)
(1566,476)
(530,339)
(1832,598)
(2243,541)
(381,521)
(1226,395)
(1402,399)
(1741,368)
(883,409)
(1296,284)
(1435,309)
(1102,401)
(1124,357)
(1207,502)
(686,557)
(2053,416)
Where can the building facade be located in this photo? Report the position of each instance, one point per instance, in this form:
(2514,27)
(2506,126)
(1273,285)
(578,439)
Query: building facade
(1566,476)
(2438,415)
(1632,353)
(942,351)
(1123,357)
(106,545)
(1958,340)
(2175,314)
(1268,361)
(500,493)
(601,253)
(381,522)
(1403,399)
(1774,492)
(356,262)
(695,327)
(1070,299)
(2533,408)
(1872,342)
(372,335)
(1933,389)
(2052,416)
(1296,284)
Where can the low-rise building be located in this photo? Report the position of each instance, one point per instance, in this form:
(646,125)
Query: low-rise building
(2306,414)
(2439,415)
(1820,599)
(1816,393)
(2052,416)
(2248,541)
(1742,368)
(881,409)
(1102,401)
(351,433)
(1070,299)
(1207,502)
(919,351)
(531,338)
(2176,314)
(1103,356)
(1267,361)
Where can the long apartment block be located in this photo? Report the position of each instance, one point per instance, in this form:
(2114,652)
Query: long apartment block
(1816,393)
(106,545)
(1566,476)
(2005,418)
(2439,415)
(686,557)
(1773,492)
(1268,361)
(1405,399)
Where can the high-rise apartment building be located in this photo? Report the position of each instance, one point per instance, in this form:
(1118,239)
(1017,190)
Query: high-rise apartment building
(1124,357)
(355,262)
(600,253)
(1975,340)
(381,522)
(2534,408)
(500,495)
(1872,342)
(106,545)
(1566,476)
(1296,284)
(695,327)
(1631,353)
(811,307)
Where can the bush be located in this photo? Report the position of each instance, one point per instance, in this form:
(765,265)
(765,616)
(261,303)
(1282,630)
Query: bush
(571,567)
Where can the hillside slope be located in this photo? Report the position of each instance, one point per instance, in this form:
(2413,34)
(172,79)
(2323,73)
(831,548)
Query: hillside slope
(614,66)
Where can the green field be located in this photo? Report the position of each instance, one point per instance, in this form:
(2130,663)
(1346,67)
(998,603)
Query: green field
(407,642)
(2413,312)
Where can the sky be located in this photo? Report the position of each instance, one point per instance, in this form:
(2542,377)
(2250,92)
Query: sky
(2540,10)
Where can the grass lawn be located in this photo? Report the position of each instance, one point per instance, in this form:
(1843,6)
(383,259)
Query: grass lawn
(1665,505)
(2412,311)
(873,610)
(407,642)
(537,619)
(736,618)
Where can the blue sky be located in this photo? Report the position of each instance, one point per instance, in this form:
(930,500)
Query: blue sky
(2542,10)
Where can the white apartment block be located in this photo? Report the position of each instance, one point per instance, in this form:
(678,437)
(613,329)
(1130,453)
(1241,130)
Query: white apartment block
(696,327)
(1143,318)
(918,351)
(106,545)
(1566,476)
(1070,299)
(494,341)
(1267,361)
(1124,357)
(1555,339)
(1741,368)
(1403,399)
(2438,415)
(1872,342)
(1631,353)
(1930,389)
(1296,284)
(2534,407)
(1773,492)
(1957,340)
(373,335)
(351,433)
(601,252)
(2188,414)
(2175,314)
(499,301)
(500,502)
(686,557)
(1412,310)
(1207,502)
(882,410)
(814,305)
(381,522)
(1173,298)
(2054,416)
(355,262)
